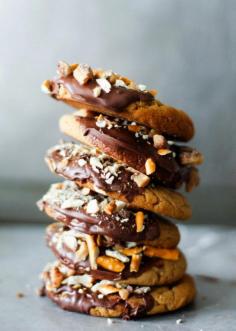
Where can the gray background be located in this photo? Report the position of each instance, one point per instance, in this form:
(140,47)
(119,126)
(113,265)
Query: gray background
(185,49)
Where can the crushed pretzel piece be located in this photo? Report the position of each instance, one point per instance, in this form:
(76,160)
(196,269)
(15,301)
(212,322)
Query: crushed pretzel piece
(164,253)
(130,251)
(110,263)
(139,220)
(135,262)
(93,251)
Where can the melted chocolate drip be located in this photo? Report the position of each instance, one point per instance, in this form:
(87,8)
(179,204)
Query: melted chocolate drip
(117,99)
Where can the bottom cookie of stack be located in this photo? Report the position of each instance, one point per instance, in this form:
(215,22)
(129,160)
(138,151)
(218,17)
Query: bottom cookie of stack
(105,298)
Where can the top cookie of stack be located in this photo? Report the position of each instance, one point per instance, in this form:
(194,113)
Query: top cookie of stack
(130,153)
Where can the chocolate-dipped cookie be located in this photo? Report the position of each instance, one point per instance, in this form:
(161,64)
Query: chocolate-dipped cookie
(109,93)
(136,146)
(128,262)
(101,174)
(80,293)
(171,170)
(92,213)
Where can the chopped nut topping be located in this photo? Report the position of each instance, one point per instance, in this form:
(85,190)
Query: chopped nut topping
(124,294)
(164,151)
(110,207)
(97,91)
(104,84)
(82,162)
(92,207)
(120,205)
(120,83)
(105,287)
(46,87)
(142,87)
(150,167)
(85,191)
(140,179)
(63,69)
(101,121)
(135,262)
(142,289)
(190,157)
(110,263)
(139,220)
(158,140)
(85,280)
(83,73)
(69,241)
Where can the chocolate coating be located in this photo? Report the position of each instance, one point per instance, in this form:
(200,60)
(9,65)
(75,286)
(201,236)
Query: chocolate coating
(122,184)
(105,224)
(83,302)
(116,99)
(123,145)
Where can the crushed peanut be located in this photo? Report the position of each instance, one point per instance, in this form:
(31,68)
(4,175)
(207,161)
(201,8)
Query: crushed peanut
(150,167)
(83,73)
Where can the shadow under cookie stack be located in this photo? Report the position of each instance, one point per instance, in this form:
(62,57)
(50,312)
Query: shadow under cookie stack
(117,256)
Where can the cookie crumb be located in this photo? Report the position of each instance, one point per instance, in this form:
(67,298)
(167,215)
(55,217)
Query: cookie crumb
(20,295)
(179,321)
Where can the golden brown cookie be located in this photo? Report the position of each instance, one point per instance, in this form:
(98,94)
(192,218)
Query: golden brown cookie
(111,299)
(128,262)
(109,93)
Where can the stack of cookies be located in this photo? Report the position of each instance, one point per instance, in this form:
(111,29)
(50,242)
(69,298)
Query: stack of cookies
(117,256)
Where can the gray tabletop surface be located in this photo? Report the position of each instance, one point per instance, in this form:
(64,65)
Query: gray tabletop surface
(211,252)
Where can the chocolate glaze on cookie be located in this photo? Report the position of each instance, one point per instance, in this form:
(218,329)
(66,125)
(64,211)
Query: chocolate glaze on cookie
(105,224)
(129,148)
(83,302)
(116,99)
